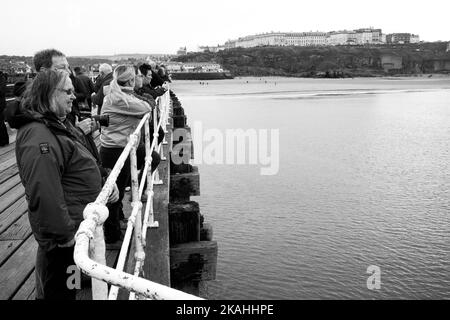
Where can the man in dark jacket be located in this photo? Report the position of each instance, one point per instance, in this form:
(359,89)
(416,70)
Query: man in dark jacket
(104,79)
(86,85)
(55,60)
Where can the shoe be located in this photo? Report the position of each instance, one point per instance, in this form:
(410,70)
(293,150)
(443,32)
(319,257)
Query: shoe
(127,189)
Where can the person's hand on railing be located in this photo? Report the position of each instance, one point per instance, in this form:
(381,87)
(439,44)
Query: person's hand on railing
(114,196)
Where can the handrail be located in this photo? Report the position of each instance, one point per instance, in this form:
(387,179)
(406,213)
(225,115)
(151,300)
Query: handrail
(90,237)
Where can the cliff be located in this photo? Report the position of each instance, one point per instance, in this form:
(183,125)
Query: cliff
(330,61)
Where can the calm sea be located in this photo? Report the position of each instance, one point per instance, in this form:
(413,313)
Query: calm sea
(364,180)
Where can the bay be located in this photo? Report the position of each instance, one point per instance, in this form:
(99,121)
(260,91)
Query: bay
(363,180)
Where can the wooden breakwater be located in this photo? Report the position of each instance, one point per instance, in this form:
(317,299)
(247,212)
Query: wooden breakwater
(193,253)
(179,253)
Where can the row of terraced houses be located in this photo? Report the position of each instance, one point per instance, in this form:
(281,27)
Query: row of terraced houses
(345,37)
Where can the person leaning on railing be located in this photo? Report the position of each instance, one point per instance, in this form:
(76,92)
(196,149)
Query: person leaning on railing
(152,83)
(125,111)
(60,177)
(156,159)
(104,79)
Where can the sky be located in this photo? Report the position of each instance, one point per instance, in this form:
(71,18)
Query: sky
(108,27)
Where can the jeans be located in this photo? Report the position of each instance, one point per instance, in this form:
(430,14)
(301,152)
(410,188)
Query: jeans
(51,274)
(109,157)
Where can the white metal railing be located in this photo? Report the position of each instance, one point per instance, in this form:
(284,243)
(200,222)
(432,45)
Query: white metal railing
(90,246)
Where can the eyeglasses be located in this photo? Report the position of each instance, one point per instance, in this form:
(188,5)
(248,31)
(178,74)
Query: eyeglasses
(62,67)
(68,91)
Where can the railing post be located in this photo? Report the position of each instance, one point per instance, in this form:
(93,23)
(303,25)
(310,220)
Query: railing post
(165,120)
(149,217)
(98,253)
(163,123)
(136,218)
(98,214)
(166,113)
(155,136)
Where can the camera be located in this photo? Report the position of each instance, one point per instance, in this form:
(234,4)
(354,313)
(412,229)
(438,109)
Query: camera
(103,120)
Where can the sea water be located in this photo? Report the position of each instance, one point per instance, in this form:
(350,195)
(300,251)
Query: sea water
(363,180)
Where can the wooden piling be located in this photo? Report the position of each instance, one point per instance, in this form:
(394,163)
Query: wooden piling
(193,254)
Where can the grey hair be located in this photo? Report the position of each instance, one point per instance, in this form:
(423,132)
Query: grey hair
(38,98)
(105,68)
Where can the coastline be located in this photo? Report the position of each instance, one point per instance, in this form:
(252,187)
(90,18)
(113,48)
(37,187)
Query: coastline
(427,76)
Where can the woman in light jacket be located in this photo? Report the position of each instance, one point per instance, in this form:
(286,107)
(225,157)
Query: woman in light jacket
(125,112)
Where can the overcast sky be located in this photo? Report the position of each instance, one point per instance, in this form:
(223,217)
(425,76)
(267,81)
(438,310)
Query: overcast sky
(106,27)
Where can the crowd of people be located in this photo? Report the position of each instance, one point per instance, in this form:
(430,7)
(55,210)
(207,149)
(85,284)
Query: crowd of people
(59,164)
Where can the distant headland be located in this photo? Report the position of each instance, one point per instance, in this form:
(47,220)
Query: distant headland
(330,61)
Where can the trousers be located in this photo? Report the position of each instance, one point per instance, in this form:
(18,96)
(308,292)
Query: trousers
(51,274)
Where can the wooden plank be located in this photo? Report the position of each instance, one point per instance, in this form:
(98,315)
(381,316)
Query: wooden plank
(191,287)
(8,155)
(7,163)
(179,168)
(179,121)
(182,152)
(11,197)
(178,111)
(27,290)
(8,173)
(157,255)
(17,268)
(184,222)
(7,248)
(184,185)
(206,232)
(12,214)
(9,184)
(193,261)
(10,147)
(19,230)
